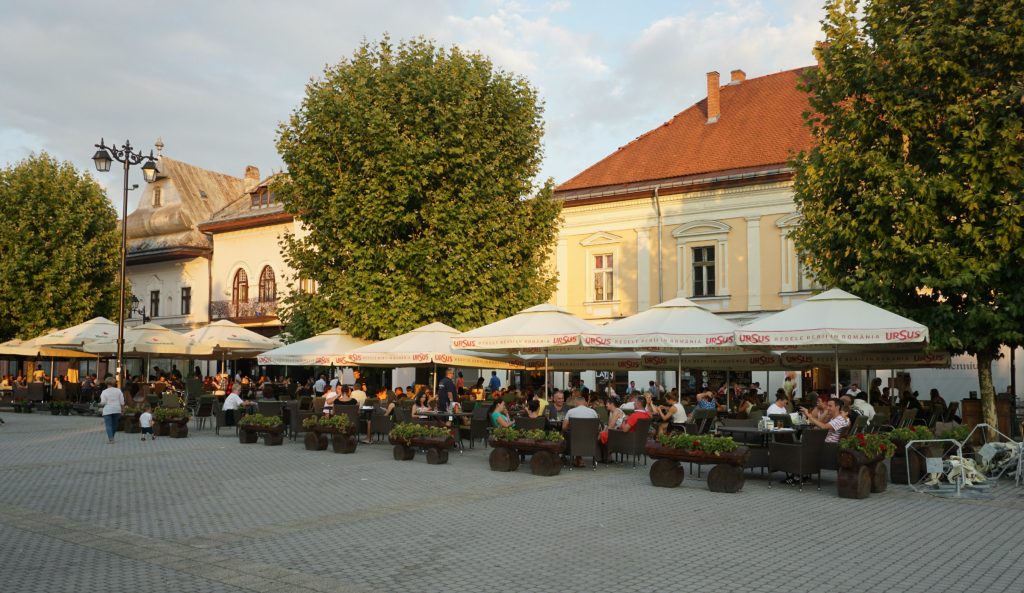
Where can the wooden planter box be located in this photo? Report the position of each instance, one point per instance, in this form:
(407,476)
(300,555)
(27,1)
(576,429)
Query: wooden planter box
(667,470)
(247,436)
(315,441)
(344,441)
(545,461)
(178,429)
(161,429)
(437,448)
(273,436)
(899,463)
(130,424)
(859,476)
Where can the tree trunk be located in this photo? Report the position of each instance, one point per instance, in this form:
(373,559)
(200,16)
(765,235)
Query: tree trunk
(988,392)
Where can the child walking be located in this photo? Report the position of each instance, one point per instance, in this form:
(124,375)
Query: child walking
(146,423)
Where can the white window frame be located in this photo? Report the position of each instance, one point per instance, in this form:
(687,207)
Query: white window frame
(793,280)
(704,266)
(602,243)
(608,275)
(702,233)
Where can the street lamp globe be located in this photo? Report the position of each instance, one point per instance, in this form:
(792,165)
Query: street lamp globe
(149,171)
(102,160)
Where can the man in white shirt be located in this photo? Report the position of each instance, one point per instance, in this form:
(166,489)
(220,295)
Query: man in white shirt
(334,382)
(231,404)
(320,386)
(580,409)
(359,394)
(779,407)
(862,407)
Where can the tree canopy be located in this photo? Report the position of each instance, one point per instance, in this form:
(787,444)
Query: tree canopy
(59,248)
(912,197)
(412,169)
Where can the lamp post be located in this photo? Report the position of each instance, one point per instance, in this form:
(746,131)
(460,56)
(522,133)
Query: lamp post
(103,157)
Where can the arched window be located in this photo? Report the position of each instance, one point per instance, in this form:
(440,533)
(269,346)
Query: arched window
(268,287)
(240,287)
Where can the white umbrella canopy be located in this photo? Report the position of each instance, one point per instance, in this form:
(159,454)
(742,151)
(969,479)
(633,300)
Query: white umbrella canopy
(541,329)
(150,338)
(538,329)
(97,329)
(833,318)
(329,348)
(32,349)
(678,324)
(227,339)
(838,320)
(429,344)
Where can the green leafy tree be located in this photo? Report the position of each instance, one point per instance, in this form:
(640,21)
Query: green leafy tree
(59,248)
(412,168)
(912,197)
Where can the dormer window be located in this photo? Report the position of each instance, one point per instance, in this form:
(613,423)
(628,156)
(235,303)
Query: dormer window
(156,197)
(262,198)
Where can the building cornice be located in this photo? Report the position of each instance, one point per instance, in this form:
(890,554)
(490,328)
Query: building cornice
(167,254)
(248,222)
(688,184)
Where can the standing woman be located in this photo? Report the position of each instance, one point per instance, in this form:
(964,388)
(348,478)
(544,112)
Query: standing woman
(112,401)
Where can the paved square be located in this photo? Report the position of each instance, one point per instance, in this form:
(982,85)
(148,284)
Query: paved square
(208,514)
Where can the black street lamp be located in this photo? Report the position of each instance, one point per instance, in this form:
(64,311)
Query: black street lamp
(103,157)
(136,308)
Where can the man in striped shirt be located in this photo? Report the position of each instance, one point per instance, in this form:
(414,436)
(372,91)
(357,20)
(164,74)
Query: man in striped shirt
(839,411)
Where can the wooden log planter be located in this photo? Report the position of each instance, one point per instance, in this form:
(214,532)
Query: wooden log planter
(859,475)
(667,470)
(315,440)
(437,448)
(545,459)
(178,429)
(130,423)
(247,436)
(343,441)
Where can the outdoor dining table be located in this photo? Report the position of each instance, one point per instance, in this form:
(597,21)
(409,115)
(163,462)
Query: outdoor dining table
(764,433)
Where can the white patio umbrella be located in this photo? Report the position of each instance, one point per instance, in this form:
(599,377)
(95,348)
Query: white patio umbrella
(838,320)
(429,345)
(541,329)
(32,349)
(678,325)
(150,338)
(97,329)
(329,348)
(230,340)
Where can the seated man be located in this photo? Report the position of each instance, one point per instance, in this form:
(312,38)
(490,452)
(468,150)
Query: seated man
(862,407)
(840,413)
(556,409)
(580,409)
(639,413)
(779,407)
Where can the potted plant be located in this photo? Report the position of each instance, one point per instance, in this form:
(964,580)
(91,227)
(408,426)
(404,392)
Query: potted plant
(130,419)
(726,454)
(510,443)
(861,460)
(248,428)
(960,434)
(315,439)
(55,407)
(898,466)
(437,440)
(344,438)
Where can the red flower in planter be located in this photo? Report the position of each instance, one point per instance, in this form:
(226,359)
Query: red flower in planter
(696,443)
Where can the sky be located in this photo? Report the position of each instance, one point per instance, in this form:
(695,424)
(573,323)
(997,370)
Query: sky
(214,78)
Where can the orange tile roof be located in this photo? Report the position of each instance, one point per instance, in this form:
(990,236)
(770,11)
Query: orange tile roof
(760,125)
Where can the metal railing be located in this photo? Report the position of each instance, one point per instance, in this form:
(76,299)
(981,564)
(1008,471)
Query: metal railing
(250,309)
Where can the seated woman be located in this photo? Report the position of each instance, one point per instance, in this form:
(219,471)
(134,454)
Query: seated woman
(497,413)
(615,419)
(422,404)
(748,404)
(533,409)
(820,411)
(672,414)
(345,397)
(330,398)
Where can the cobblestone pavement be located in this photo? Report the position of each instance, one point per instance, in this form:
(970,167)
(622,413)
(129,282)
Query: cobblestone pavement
(208,514)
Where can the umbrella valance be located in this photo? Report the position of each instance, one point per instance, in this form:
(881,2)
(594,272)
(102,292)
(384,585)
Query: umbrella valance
(329,348)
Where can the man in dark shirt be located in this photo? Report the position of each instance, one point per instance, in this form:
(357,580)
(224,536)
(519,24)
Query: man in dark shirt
(446,391)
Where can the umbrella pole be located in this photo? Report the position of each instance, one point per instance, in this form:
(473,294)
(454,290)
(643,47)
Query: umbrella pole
(679,377)
(728,391)
(545,374)
(837,371)
(435,379)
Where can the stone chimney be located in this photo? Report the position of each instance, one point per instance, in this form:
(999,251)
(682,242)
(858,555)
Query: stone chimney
(252,177)
(714,108)
(738,76)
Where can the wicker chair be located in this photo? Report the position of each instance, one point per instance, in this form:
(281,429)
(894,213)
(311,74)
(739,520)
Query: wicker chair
(583,438)
(800,459)
(381,423)
(630,443)
(203,411)
(478,426)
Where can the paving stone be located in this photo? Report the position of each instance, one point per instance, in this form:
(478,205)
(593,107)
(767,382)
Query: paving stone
(209,514)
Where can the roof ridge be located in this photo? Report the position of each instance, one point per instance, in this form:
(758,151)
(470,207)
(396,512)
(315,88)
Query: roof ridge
(700,105)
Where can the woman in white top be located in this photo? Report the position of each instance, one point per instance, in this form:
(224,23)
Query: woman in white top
(673,413)
(112,401)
